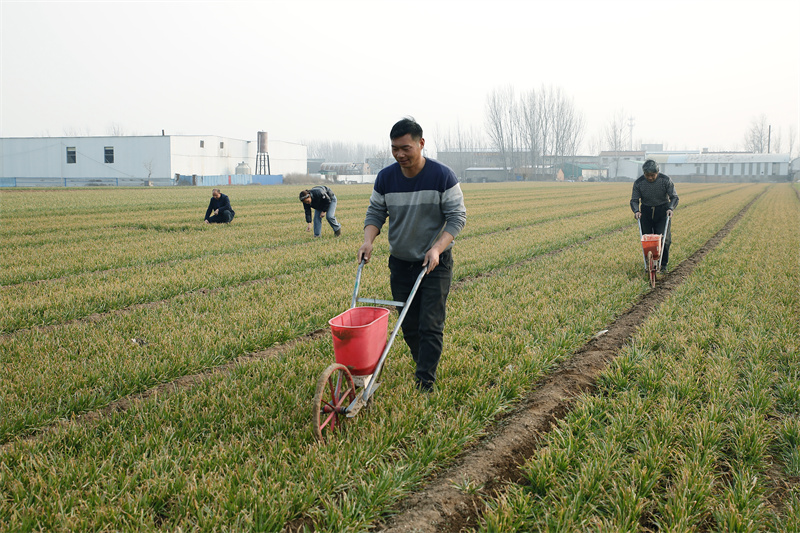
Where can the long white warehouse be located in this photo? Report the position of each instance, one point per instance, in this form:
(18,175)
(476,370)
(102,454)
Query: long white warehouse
(136,160)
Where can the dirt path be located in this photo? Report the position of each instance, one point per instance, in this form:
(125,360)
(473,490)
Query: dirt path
(494,461)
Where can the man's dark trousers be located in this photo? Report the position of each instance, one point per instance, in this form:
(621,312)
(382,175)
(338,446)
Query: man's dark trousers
(423,325)
(222,217)
(654,220)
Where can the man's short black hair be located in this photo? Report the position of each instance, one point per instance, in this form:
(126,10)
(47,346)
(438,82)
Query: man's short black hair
(304,194)
(406,126)
(650,167)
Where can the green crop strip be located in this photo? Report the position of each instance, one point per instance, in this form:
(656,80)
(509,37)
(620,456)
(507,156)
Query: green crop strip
(696,423)
(82,243)
(197,331)
(68,298)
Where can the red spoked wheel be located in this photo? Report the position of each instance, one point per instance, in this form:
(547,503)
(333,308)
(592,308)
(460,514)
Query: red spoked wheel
(652,267)
(335,391)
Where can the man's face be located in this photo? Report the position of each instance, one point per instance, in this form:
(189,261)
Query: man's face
(216,194)
(651,176)
(307,200)
(407,151)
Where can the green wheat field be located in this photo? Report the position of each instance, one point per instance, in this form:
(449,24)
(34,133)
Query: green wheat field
(108,294)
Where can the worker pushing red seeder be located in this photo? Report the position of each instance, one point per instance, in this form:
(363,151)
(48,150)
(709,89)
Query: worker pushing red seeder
(653,201)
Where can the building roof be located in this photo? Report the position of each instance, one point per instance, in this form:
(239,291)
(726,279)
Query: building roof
(621,153)
(726,157)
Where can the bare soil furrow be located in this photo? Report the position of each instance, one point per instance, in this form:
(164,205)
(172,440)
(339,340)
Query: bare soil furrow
(495,460)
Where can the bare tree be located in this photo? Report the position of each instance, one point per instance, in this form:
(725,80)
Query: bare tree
(593,145)
(567,127)
(115,129)
(792,139)
(341,152)
(542,129)
(532,130)
(380,159)
(755,139)
(500,122)
(775,143)
(614,136)
(462,147)
(72,131)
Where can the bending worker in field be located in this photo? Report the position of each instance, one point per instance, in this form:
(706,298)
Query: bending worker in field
(323,201)
(656,193)
(219,208)
(424,201)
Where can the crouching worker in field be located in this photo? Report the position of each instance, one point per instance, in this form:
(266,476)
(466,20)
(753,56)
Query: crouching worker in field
(323,201)
(656,193)
(424,201)
(219,208)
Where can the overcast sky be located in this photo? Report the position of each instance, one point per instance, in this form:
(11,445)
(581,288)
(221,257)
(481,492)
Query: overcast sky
(692,73)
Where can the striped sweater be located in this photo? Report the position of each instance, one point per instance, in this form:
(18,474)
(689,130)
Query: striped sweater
(419,208)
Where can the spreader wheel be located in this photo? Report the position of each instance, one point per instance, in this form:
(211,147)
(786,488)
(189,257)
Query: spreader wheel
(335,391)
(652,267)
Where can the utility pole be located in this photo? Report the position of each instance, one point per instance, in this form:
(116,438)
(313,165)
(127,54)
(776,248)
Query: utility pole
(769,136)
(630,129)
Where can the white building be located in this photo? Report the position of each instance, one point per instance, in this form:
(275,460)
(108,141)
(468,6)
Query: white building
(725,166)
(135,160)
(713,167)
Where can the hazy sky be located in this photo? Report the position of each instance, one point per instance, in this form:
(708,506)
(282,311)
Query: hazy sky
(692,73)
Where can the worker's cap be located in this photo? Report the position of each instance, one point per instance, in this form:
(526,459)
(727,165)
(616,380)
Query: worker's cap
(650,167)
(304,195)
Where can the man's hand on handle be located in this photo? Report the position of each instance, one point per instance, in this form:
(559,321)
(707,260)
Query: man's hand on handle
(432,256)
(431,260)
(365,252)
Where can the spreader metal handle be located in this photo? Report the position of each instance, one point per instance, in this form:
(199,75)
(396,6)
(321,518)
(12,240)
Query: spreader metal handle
(372,301)
(368,390)
(663,242)
(646,266)
(373,382)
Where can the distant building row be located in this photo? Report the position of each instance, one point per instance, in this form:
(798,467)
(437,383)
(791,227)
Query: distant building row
(487,166)
(214,160)
(140,160)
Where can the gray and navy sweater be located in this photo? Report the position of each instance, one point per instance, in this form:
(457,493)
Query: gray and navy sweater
(655,194)
(419,208)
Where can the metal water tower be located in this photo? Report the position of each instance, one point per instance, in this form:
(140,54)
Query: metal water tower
(262,156)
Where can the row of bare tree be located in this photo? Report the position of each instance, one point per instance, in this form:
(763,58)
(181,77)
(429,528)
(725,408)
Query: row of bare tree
(522,129)
(532,133)
(761,139)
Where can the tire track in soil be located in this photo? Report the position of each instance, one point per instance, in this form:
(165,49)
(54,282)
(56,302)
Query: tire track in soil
(495,460)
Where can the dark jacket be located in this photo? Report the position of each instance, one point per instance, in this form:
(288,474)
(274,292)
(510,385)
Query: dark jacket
(658,193)
(321,198)
(222,203)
